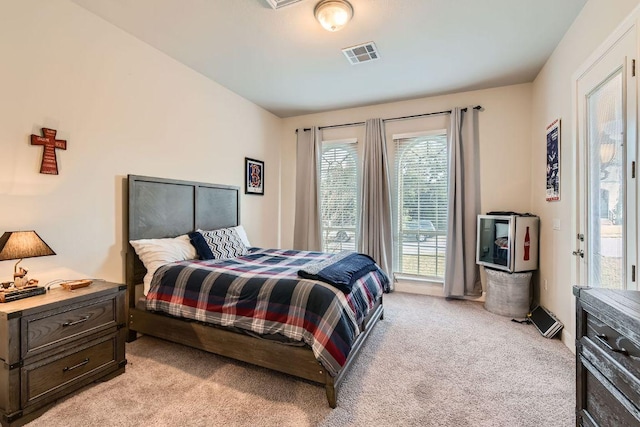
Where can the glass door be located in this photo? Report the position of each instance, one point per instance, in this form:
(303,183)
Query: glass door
(607,238)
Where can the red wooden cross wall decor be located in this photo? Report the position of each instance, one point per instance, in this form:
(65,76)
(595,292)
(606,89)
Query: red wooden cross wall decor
(49,161)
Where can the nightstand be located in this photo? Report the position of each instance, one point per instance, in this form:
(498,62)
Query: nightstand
(56,343)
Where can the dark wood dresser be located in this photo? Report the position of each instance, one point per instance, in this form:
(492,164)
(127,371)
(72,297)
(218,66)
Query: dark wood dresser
(608,357)
(55,343)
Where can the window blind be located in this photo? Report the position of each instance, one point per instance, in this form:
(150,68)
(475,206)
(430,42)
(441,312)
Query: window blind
(339,196)
(421,205)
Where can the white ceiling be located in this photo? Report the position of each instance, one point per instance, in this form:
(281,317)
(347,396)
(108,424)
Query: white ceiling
(285,62)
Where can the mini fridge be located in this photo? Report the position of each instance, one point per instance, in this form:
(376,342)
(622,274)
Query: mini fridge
(508,242)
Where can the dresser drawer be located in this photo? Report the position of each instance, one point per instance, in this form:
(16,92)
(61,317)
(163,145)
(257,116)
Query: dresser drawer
(69,370)
(618,347)
(605,406)
(611,369)
(49,329)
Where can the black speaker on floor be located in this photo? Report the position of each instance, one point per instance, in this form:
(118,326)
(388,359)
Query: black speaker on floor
(545,321)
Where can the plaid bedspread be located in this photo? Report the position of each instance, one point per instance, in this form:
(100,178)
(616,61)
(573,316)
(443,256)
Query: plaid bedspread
(262,293)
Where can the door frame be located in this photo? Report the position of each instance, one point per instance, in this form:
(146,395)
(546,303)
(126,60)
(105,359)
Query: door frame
(629,24)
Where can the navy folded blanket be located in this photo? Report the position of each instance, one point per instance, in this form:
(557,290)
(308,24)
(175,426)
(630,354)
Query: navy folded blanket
(341,270)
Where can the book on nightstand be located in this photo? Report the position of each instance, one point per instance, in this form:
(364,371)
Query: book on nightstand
(16,294)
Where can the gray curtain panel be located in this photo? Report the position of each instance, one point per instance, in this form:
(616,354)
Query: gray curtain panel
(462,276)
(375,235)
(306,232)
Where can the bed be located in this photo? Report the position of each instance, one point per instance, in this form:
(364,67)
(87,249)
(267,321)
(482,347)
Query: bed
(163,208)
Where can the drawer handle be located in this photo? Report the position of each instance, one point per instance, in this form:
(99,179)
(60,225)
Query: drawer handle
(70,323)
(67,368)
(603,339)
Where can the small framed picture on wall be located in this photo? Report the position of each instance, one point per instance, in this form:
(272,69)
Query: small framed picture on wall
(553,161)
(253,176)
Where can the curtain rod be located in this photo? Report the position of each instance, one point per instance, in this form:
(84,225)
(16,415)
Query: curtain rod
(477,107)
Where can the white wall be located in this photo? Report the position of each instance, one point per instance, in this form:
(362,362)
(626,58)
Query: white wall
(124,108)
(552,99)
(505,137)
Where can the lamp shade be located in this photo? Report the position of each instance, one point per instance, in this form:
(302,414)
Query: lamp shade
(23,244)
(333,15)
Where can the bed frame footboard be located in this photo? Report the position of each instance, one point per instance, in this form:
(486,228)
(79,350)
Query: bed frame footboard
(332,383)
(296,361)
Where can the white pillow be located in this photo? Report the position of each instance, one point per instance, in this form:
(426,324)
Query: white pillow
(154,253)
(243,235)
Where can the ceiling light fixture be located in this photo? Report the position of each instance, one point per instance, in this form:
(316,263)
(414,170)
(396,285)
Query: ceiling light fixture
(333,15)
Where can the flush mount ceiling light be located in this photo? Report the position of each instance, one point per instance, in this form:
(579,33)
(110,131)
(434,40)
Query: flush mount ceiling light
(333,15)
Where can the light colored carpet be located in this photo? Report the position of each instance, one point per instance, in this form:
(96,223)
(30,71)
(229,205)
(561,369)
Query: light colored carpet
(430,362)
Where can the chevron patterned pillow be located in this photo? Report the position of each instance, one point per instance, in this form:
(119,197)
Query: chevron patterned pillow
(223,243)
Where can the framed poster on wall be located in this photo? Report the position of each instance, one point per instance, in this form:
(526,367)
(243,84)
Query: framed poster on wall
(553,161)
(253,176)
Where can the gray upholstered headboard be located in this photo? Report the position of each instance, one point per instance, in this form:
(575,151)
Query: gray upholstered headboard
(160,207)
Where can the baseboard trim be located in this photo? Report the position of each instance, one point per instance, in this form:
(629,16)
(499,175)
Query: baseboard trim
(568,340)
(430,289)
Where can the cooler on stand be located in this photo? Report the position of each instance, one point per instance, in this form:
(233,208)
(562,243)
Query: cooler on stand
(507,246)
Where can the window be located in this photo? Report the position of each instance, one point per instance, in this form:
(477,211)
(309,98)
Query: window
(421,201)
(339,195)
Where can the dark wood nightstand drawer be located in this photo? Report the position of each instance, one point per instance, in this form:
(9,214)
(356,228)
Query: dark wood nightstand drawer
(66,371)
(52,328)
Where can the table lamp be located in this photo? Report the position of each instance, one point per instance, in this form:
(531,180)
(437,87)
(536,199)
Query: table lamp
(19,245)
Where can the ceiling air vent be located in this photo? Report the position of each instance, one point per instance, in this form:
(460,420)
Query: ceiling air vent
(276,4)
(361,53)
